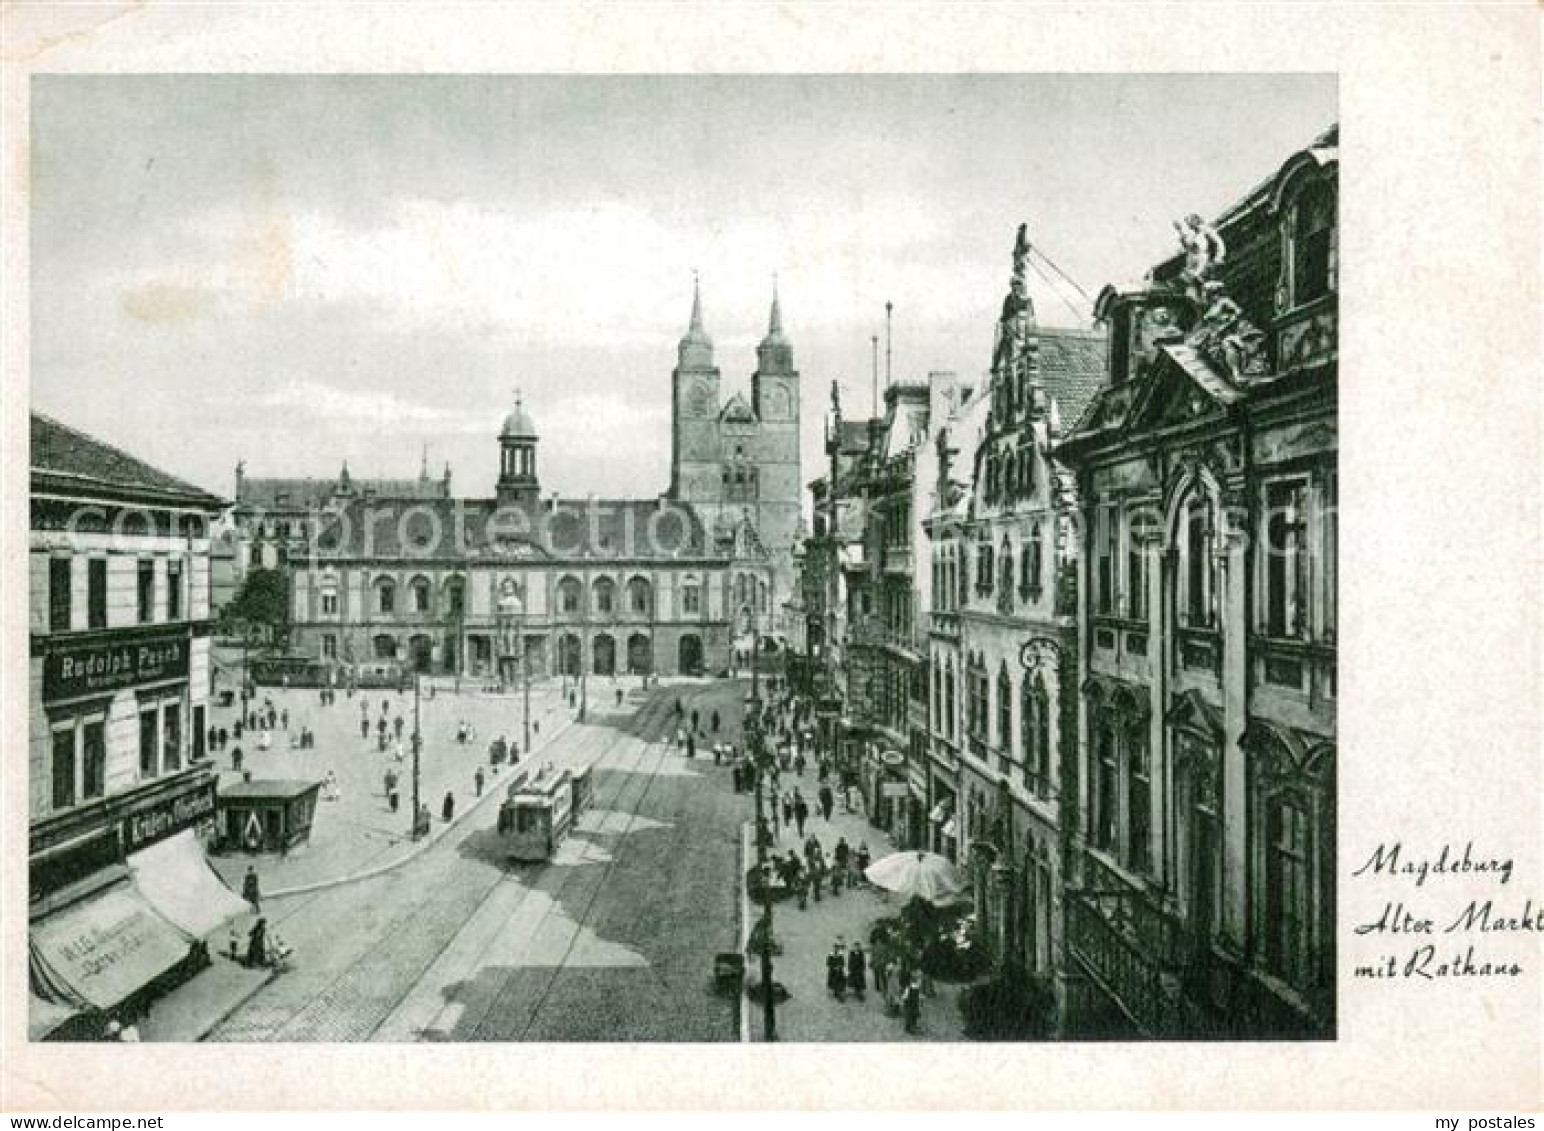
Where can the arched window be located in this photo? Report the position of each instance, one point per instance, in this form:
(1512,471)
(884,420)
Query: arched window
(420,590)
(455,596)
(1197,570)
(570,595)
(640,597)
(605,591)
(385,596)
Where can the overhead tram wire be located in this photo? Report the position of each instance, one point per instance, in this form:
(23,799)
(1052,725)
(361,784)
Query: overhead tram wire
(1052,264)
(1077,312)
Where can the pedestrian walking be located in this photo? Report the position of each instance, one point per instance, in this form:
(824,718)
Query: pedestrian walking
(225,737)
(257,944)
(236,758)
(250,890)
(714,720)
(881,963)
(801,810)
(827,801)
(448,810)
(857,971)
(836,973)
(798,761)
(284,719)
(911,1004)
(364,729)
(817,872)
(477,780)
(787,809)
(396,726)
(860,875)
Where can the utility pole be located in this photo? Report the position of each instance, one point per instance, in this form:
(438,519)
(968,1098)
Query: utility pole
(525,688)
(874,343)
(889,307)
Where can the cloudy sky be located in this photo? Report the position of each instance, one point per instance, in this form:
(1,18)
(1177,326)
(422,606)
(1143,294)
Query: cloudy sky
(295,271)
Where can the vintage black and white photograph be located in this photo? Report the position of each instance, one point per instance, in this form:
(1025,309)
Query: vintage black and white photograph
(683,558)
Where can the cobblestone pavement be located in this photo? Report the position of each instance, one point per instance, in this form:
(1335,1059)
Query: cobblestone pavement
(612,940)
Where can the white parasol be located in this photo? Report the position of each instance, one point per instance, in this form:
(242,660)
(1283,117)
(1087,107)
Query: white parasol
(924,874)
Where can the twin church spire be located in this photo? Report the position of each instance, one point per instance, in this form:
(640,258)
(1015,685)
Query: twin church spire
(696,347)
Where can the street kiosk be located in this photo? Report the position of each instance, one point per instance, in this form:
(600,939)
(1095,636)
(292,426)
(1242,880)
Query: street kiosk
(266,816)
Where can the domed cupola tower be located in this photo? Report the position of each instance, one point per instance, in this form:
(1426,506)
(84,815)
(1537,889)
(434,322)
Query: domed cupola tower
(517,458)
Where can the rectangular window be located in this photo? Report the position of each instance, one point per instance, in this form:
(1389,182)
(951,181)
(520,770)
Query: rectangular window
(1043,744)
(174,590)
(1287,893)
(94,759)
(64,766)
(329,604)
(1328,517)
(1139,824)
(420,598)
(1104,534)
(199,748)
(329,646)
(1105,822)
(171,733)
(96,593)
(1286,559)
(1136,575)
(59,594)
(146,590)
(149,743)
(1196,549)
(691,599)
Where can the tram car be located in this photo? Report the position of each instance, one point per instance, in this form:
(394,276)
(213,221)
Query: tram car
(540,810)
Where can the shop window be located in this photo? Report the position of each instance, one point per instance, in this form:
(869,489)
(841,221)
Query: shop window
(174,590)
(171,737)
(59,596)
(146,590)
(96,593)
(94,760)
(149,743)
(1286,559)
(64,766)
(1287,891)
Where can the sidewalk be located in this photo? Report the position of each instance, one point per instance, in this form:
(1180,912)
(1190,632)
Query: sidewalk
(811,1013)
(358,832)
(199,1004)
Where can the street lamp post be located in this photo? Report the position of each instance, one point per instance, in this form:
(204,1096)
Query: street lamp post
(762,764)
(418,742)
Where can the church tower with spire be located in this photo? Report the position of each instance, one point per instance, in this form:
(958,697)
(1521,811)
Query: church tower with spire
(695,453)
(735,459)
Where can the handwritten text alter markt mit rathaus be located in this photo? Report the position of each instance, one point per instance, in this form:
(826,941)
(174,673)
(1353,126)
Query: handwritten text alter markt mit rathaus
(1483,916)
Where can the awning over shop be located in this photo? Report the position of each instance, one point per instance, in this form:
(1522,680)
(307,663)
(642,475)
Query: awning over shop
(44,1016)
(102,949)
(176,879)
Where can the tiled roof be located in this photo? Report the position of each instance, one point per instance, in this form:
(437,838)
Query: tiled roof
(455,529)
(305,493)
(1073,368)
(62,457)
